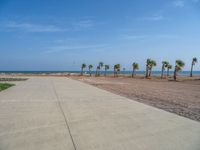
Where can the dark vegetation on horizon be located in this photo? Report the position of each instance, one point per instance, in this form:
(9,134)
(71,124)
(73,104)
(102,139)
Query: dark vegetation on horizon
(150,63)
(13,79)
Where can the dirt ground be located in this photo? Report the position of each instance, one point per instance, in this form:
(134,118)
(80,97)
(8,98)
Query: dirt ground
(182,98)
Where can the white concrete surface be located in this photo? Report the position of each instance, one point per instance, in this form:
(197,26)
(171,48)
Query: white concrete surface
(63,114)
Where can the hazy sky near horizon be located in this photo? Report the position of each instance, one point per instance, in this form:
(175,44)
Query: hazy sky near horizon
(62,34)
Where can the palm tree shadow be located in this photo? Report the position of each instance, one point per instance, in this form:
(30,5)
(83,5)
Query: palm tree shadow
(196,79)
(172,80)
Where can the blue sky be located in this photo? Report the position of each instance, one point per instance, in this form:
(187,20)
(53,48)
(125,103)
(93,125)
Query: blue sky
(60,35)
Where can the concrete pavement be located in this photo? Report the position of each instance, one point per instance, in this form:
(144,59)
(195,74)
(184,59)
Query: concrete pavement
(63,114)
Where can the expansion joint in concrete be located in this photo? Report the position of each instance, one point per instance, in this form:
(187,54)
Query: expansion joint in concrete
(65,117)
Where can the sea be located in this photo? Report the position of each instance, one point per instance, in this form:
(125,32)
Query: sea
(155,73)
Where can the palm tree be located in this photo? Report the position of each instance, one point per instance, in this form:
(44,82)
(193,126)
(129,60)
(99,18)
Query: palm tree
(106,68)
(116,69)
(194,61)
(147,67)
(152,64)
(97,71)
(178,66)
(90,67)
(99,68)
(168,68)
(83,67)
(135,67)
(164,65)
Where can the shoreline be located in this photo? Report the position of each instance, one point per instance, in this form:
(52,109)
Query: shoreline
(86,73)
(157,76)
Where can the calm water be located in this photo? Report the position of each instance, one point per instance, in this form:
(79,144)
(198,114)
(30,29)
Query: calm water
(185,73)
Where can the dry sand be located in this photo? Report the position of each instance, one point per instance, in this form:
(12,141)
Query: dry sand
(182,98)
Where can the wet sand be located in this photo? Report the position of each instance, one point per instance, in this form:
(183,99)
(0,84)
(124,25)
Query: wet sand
(182,97)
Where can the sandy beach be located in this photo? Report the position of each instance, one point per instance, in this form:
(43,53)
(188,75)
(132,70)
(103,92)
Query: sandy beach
(182,98)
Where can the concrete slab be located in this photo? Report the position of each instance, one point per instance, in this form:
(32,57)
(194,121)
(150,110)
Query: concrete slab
(30,118)
(61,113)
(101,120)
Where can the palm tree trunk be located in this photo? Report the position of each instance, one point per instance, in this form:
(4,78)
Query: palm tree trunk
(99,71)
(191,70)
(81,71)
(90,73)
(96,72)
(114,72)
(133,73)
(147,71)
(162,72)
(168,72)
(175,73)
(150,72)
(105,73)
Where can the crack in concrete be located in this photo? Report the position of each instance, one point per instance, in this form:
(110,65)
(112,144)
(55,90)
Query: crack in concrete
(65,117)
